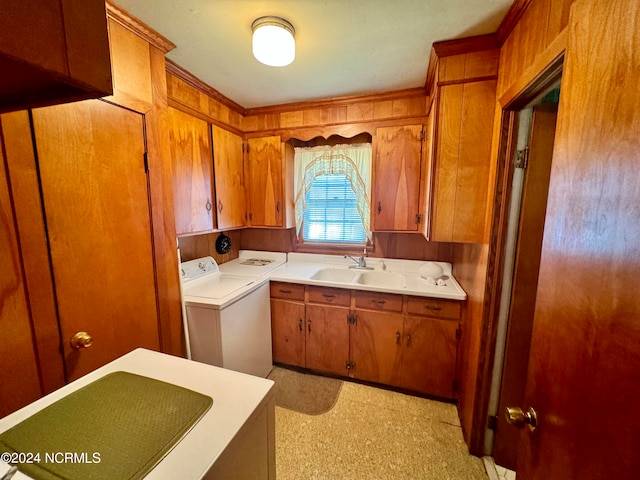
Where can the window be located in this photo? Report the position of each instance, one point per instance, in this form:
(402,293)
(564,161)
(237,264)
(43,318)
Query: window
(332,214)
(333,190)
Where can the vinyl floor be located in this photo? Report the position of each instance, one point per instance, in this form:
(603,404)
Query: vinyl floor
(365,432)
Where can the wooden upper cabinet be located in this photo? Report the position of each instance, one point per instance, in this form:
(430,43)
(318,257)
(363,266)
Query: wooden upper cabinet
(396,189)
(465,113)
(229,178)
(52,52)
(192,164)
(270,183)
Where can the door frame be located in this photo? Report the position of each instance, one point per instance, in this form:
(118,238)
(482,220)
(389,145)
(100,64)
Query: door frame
(511,103)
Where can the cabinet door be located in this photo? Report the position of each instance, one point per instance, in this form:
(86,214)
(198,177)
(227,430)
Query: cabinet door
(462,166)
(192,164)
(396,192)
(53,52)
(96,205)
(429,356)
(327,343)
(265,185)
(287,332)
(228,174)
(376,343)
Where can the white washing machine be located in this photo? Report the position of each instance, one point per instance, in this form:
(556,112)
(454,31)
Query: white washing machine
(229,315)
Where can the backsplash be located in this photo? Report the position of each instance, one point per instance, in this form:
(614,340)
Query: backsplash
(409,246)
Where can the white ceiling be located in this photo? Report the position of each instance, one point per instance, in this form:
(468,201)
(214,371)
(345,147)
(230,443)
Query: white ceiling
(343,47)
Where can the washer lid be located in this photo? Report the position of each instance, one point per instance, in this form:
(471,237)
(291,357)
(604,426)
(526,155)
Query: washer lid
(216,285)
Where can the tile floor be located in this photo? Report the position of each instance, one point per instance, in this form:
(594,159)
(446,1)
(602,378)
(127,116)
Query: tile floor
(374,434)
(496,472)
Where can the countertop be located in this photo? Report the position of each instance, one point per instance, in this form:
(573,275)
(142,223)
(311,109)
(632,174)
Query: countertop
(236,396)
(301,267)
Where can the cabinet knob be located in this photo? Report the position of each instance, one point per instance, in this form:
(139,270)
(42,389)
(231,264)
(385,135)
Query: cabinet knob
(81,340)
(220,206)
(208,206)
(398,336)
(379,208)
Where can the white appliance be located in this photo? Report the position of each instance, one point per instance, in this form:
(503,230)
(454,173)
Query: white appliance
(228,316)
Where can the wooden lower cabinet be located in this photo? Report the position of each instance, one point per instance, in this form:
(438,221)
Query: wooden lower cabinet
(376,346)
(288,332)
(327,338)
(401,341)
(429,354)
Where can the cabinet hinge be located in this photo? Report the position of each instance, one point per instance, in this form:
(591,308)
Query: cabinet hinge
(458,333)
(522,158)
(350,365)
(352,319)
(422,135)
(145,160)
(418,218)
(492,422)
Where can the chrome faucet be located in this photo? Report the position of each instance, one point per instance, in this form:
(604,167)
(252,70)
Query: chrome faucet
(361,261)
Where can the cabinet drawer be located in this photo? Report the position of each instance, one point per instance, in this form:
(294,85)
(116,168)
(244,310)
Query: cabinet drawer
(291,291)
(379,301)
(433,307)
(333,296)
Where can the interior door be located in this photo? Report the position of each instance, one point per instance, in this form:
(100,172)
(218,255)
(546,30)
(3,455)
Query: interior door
(525,277)
(96,205)
(584,367)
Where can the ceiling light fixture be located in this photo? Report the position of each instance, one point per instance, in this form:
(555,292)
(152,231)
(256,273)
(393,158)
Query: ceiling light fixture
(273,41)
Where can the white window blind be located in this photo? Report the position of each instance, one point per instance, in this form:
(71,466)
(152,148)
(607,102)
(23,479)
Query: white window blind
(333,191)
(331,213)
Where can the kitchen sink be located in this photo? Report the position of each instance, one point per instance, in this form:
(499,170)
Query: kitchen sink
(382,279)
(334,275)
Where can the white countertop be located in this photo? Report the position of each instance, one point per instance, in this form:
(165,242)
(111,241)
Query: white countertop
(301,267)
(236,396)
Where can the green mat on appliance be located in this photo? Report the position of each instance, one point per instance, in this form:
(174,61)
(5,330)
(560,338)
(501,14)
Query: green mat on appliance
(118,427)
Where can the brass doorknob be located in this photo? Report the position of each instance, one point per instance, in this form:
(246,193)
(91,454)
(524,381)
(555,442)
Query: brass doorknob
(518,418)
(81,340)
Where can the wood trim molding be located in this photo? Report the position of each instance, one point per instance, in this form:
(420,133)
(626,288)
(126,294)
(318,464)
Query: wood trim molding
(511,19)
(461,46)
(127,20)
(467,80)
(193,81)
(338,101)
(346,130)
(202,116)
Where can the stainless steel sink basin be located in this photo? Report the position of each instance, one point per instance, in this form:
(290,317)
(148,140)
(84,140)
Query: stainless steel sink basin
(335,275)
(382,279)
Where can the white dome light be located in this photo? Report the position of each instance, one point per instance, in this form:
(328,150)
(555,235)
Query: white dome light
(273,41)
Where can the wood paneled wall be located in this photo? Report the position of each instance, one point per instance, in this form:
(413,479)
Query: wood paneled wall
(535,40)
(345,112)
(190,94)
(539,27)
